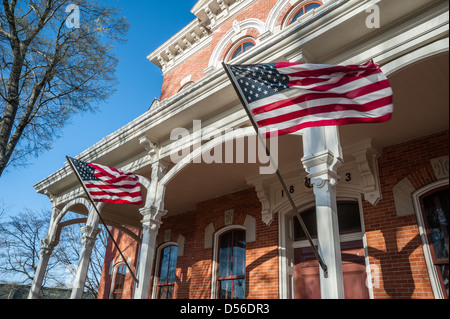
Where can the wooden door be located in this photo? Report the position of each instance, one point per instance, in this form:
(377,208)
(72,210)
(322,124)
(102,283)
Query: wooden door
(307,276)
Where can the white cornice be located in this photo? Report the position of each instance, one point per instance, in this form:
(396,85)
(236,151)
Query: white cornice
(196,35)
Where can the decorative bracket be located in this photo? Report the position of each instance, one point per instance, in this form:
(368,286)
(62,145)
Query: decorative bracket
(263,192)
(367,163)
(149,144)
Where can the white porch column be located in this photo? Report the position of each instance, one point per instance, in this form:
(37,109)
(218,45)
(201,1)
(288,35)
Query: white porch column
(88,241)
(322,158)
(47,246)
(152,214)
(46,252)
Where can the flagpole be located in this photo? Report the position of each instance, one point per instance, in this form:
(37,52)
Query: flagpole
(277,172)
(102,220)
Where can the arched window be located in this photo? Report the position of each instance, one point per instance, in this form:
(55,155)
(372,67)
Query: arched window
(435,212)
(231,265)
(167,272)
(241,48)
(119,281)
(304,9)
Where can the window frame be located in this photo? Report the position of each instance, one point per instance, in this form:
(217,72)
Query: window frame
(215,265)
(239,45)
(159,259)
(426,225)
(290,17)
(232,277)
(117,268)
(432,272)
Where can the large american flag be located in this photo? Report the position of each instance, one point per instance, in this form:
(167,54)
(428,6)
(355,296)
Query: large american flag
(108,184)
(285,97)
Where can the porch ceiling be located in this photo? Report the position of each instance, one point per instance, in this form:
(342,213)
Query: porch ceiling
(421,108)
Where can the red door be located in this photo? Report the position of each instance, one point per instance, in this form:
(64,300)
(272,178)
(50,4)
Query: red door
(307,276)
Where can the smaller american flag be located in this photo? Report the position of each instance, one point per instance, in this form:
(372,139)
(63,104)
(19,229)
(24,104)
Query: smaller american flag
(108,184)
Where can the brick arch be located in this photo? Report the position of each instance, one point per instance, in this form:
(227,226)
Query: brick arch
(422,176)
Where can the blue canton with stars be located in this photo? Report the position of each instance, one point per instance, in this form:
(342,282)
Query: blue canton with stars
(258,81)
(85,171)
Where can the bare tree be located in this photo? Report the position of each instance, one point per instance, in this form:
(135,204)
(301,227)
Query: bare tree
(56,59)
(20,246)
(20,238)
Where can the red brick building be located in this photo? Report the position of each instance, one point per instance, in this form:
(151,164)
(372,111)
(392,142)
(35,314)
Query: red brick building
(214,225)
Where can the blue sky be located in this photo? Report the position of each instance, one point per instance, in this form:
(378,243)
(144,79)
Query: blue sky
(152,23)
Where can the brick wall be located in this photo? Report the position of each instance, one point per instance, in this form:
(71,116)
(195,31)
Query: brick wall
(394,244)
(194,268)
(129,248)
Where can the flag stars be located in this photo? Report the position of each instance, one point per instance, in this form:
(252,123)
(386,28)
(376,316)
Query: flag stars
(259,81)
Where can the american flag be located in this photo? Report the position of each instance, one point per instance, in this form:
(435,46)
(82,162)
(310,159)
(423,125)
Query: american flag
(108,184)
(286,97)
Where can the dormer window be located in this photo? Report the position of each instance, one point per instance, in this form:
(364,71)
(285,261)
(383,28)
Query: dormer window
(303,9)
(241,48)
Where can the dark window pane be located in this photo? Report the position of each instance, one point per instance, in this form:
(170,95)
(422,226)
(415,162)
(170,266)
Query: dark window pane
(231,273)
(162,292)
(225,253)
(242,48)
(246,46)
(348,219)
(164,267)
(311,6)
(239,254)
(239,289)
(437,215)
(170,292)
(303,10)
(167,272)
(309,219)
(237,53)
(348,216)
(172,264)
(445,277)
(225,289)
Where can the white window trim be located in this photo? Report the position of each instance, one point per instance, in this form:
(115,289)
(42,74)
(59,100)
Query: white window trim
(432,272)
(217,234)
(157,266)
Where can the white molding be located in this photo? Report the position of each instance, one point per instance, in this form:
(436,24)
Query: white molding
(424,52)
